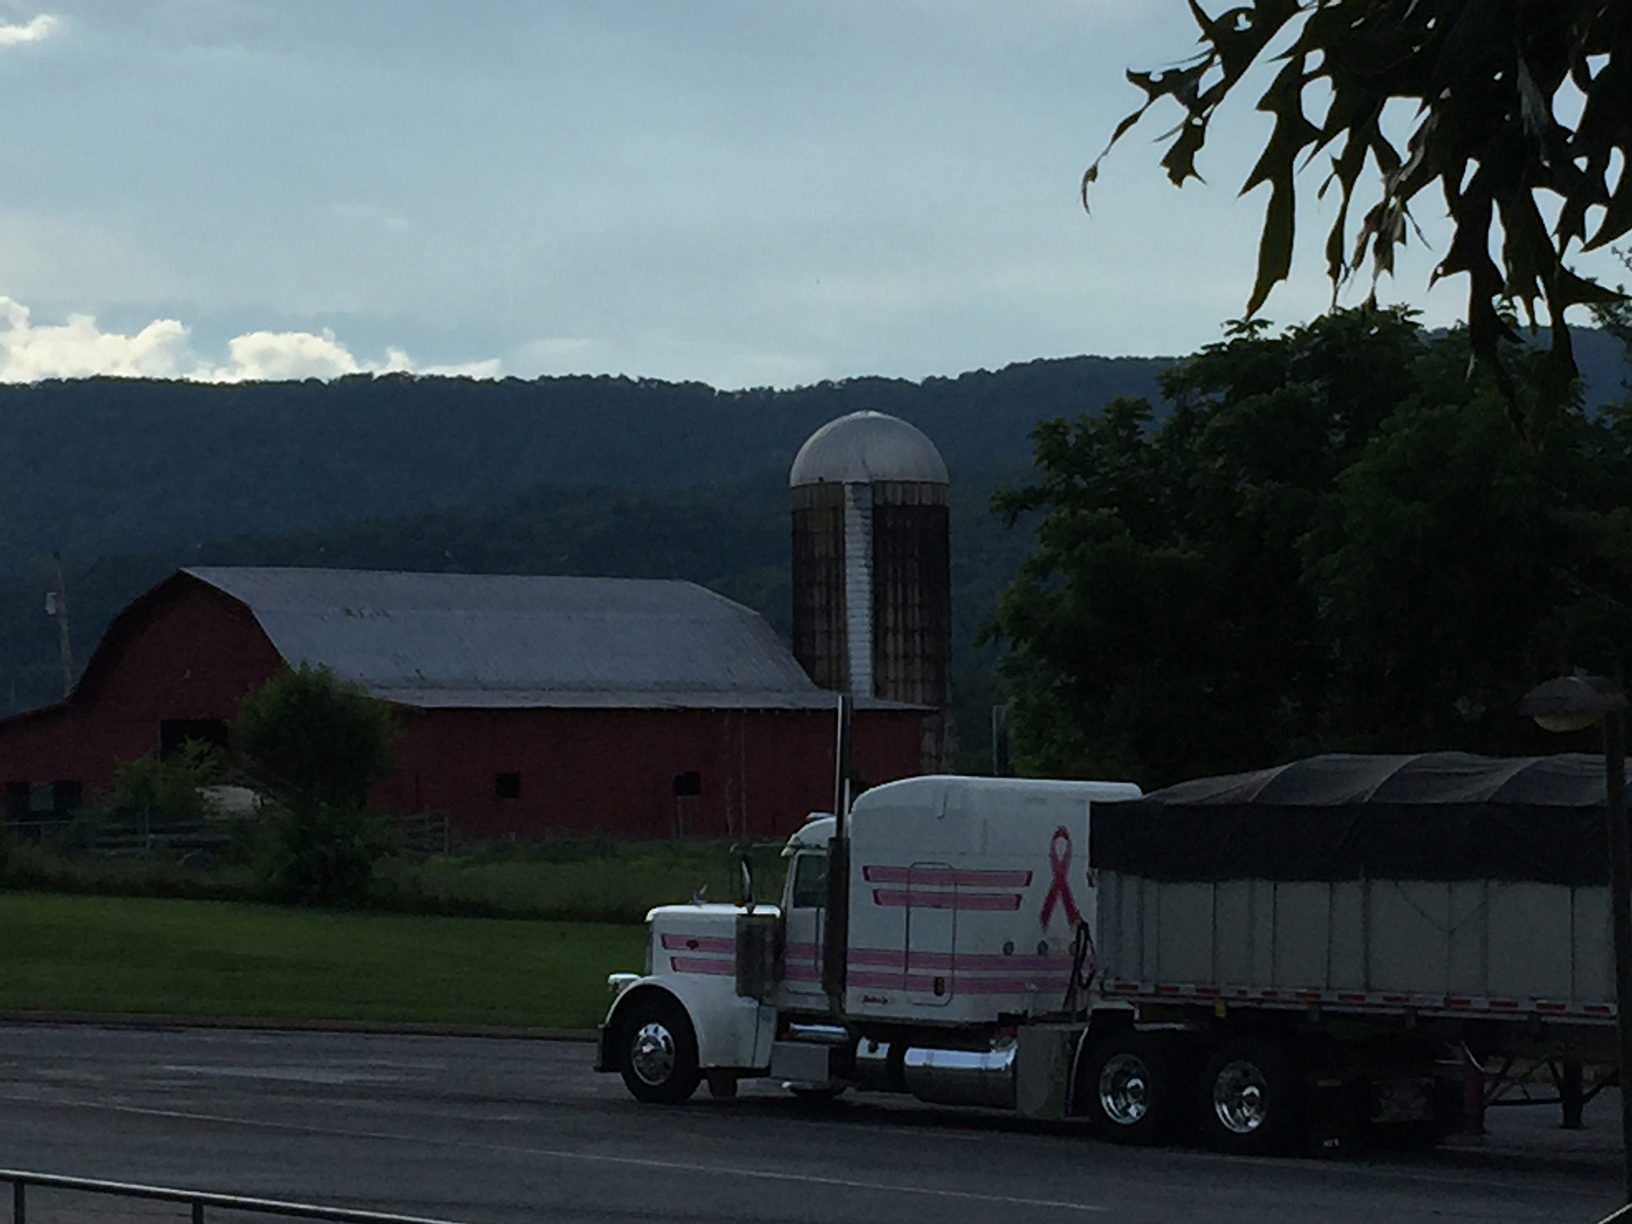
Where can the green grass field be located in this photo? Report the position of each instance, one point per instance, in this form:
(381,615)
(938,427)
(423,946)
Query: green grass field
(580,883)
(217,958)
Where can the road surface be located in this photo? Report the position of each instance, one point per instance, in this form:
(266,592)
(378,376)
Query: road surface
(492,1131)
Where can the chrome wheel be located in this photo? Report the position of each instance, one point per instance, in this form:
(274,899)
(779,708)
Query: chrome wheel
(1240,1093)
(651,1054)
(1124,1089)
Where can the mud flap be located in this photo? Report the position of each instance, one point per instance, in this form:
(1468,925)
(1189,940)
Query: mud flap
(603,1055)
(1329,1118)
(1044,1057)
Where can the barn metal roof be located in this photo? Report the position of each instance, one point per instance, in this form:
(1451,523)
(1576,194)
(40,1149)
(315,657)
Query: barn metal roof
(509,641)
(864,447)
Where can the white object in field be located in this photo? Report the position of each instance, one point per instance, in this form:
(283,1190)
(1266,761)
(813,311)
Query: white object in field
(240,802)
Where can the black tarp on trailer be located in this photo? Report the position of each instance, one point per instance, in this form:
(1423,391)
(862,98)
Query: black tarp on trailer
(1431,816)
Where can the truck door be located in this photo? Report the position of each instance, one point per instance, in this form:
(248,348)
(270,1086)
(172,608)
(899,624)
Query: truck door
(806,902)
(932,917)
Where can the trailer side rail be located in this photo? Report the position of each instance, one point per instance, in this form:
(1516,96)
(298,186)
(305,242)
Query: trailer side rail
(1377,1001)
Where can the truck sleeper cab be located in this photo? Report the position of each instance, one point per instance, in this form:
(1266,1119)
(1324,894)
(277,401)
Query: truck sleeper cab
(966,898)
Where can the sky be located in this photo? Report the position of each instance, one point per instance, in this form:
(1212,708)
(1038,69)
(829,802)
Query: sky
(739,192)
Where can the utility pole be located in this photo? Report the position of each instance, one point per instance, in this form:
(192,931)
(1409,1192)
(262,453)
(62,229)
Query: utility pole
(56,605)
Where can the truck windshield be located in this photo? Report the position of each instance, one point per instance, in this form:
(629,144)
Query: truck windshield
(810,880)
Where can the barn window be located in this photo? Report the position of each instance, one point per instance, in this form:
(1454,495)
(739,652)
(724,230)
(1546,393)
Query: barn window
(507,786)
(17,801)
(688,785)
(67,797)
(174,733)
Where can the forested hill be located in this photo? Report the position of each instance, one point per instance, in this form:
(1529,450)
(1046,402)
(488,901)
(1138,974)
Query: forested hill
(102,467)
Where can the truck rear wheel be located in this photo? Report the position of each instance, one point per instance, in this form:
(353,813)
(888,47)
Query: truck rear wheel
(657,1051)
(1130,1087)
(1248,1099)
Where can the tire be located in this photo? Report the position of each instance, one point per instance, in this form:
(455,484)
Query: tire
(657,1051)
(1130,1087)
(1249,1100)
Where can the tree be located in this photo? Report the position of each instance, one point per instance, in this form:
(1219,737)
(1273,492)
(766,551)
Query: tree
(1335,540)
(1514,100)
(317,744)
(312,739)
(169,789)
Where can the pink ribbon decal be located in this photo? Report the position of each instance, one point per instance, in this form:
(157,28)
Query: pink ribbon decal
(1059,865)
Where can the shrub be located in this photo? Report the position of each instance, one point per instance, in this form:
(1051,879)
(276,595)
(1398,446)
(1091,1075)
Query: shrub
(314,740)
(317,855)
(169,789)
(317,744)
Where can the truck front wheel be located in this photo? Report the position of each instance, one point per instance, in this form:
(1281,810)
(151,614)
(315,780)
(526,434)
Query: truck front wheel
(657,1051)
(1249,1098)
(1129,1087)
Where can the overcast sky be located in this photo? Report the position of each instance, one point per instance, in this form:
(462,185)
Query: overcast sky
(744,192)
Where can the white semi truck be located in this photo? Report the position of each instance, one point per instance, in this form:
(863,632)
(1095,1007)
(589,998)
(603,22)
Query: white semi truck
(1303,956)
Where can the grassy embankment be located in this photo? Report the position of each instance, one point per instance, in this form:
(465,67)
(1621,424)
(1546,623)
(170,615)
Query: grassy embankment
(598,881)
(215,958)
(557,919)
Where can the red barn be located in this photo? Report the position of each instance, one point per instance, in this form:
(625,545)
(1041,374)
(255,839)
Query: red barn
(528,705)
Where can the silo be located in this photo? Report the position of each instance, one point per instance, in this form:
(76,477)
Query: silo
(872,581)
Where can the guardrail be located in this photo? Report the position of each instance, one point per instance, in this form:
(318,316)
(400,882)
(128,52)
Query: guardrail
(198,1200)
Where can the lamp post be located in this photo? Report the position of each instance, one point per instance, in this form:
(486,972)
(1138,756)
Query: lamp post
(1574,703)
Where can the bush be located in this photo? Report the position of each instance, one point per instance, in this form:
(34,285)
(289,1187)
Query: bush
(313,855)
(317,744)
(171,789)
(314,740)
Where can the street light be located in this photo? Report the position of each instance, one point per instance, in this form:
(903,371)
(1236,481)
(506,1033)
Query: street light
(1574,703)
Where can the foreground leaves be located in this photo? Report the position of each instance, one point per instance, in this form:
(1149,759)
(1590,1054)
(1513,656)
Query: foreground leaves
(1517,109)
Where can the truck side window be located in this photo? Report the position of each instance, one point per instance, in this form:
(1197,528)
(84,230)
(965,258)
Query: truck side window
(810,880)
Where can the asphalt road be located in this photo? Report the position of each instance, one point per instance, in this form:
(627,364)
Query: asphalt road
(490,1131)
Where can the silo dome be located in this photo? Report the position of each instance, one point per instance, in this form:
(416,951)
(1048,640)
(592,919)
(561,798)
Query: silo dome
(866,448)
(872,573)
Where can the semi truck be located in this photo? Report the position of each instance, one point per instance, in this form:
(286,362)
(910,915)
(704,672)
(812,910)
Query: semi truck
(1345,949)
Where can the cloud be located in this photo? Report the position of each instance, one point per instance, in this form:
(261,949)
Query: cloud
(34,30)
(78,348)
(265,356)
(162,349)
